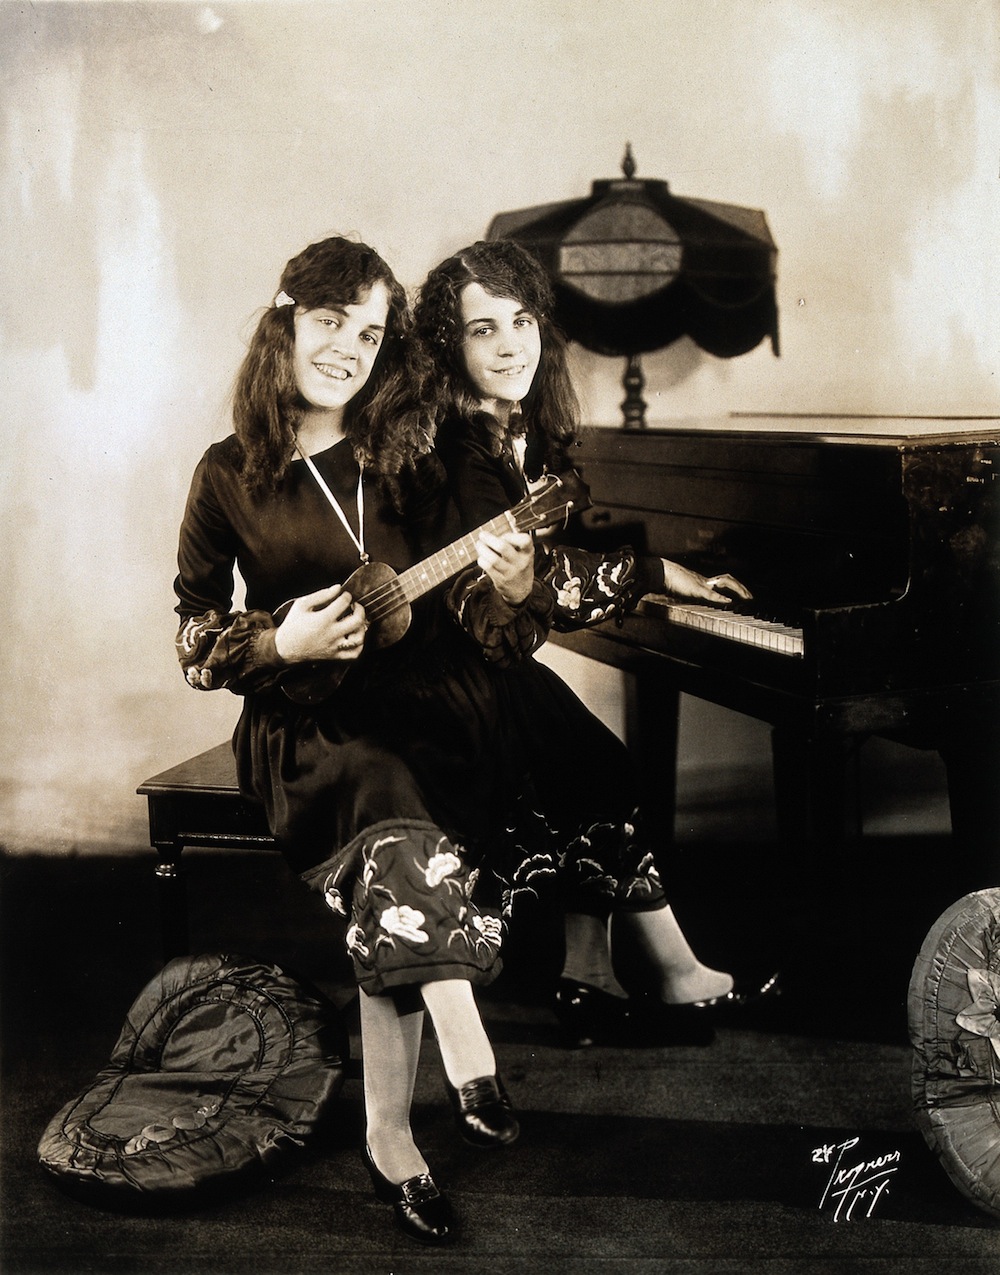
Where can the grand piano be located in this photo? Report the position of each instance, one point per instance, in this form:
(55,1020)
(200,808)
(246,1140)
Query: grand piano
(872,548)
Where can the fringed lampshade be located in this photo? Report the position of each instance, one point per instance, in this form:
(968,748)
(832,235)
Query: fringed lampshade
(634,268)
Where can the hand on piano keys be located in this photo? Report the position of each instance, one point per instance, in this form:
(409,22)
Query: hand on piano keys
(719,590)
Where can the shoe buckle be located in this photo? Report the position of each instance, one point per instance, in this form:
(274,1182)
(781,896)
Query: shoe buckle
(478,1093)
(419,1189)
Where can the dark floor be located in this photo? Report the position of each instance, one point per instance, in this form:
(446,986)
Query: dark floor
(656,1159)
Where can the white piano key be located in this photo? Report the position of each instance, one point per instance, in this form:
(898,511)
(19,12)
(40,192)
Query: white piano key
(747,629)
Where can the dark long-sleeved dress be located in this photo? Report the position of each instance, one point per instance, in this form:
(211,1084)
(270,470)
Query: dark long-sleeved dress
(584,759)
(382,795)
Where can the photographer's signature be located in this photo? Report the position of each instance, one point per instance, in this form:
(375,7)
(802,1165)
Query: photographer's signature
(855,1185)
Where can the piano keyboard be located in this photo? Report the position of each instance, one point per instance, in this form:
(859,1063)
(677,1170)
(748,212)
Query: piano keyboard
(748,629)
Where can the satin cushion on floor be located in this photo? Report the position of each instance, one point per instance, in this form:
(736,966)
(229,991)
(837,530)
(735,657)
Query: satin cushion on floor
(954,1022)
(224,1065)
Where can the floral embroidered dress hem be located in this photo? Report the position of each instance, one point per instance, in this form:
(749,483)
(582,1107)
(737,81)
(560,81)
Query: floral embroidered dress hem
(406,892)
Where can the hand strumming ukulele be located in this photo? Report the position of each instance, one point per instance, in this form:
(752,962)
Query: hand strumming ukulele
(386,596)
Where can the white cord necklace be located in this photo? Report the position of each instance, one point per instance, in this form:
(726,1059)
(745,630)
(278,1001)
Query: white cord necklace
(358,540)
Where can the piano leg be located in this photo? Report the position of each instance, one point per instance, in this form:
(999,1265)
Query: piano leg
(816,869)
(652,713)
(811,789)
(972,762)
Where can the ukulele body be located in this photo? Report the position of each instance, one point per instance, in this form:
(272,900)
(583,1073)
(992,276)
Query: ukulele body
(372,584)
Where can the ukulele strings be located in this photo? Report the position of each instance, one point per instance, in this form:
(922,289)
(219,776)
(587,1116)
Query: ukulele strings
(386,598)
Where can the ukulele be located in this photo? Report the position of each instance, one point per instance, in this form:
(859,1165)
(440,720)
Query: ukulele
(386,596)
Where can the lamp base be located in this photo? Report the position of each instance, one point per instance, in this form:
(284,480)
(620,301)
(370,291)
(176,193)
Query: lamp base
(633,405)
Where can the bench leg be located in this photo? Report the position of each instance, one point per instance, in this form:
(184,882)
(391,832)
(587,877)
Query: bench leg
(173,902)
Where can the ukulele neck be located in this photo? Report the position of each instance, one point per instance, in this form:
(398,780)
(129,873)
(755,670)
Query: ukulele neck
(420,579)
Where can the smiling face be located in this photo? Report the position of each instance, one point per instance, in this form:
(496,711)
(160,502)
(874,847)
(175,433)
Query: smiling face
(336,348)
(501,346)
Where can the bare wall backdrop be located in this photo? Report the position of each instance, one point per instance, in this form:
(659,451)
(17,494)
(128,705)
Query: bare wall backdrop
(161,161)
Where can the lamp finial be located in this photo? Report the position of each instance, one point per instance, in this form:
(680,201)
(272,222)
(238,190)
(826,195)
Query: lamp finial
(628,163)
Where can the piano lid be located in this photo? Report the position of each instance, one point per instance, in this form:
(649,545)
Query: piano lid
(854,429)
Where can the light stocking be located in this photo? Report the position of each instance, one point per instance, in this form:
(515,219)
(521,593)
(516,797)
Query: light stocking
(390,1044)
(654,941)
(466,1052)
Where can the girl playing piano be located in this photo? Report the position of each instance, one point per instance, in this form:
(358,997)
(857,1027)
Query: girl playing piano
(506,413)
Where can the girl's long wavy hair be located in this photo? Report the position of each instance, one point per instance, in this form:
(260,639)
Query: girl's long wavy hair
(550,412)
(384,422)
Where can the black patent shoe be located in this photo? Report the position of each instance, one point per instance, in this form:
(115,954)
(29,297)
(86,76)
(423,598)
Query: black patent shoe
(483,1114)
(588,1016)
(744,995)
(653,1022)
(420,1210)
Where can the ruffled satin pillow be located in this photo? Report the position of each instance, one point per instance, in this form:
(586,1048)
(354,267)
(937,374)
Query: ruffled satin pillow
(223,1066)
(954,1021)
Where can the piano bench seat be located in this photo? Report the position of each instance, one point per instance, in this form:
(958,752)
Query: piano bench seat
(197,803)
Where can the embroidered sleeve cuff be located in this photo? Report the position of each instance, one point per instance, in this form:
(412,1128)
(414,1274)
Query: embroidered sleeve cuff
(264,651)
(233,651)
(589,587)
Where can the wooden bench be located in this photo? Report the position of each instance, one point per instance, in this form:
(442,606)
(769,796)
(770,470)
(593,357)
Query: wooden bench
(197,803)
